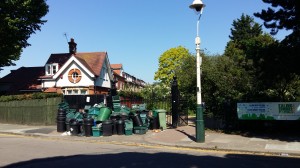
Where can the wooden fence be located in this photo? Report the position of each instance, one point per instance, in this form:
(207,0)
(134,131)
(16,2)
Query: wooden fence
(30,112)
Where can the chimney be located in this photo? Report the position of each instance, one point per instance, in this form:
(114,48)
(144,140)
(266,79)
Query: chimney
(72,46)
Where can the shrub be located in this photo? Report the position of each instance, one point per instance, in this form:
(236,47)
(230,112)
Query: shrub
(28,96)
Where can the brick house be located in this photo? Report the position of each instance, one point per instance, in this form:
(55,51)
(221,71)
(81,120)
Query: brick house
(118,75)
(77,73)
(21,80)
(73,73)
(125,81)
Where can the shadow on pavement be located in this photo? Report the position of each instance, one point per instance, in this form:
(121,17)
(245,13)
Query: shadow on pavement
(276,130)
(281,136)
(187,134)
(142,160)
(41,130)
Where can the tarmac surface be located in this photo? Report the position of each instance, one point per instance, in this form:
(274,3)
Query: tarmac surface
(181,137)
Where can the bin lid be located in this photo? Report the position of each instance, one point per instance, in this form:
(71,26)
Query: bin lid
(107,122)
(120,122)
(161,111)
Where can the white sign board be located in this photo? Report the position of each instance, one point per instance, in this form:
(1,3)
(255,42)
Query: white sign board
(269,111)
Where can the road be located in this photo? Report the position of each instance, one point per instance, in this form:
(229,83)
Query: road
(24,151)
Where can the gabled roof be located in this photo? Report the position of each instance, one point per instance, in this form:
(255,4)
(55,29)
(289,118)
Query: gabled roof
(61,59)
(24,78)
(92,60)
(117,68)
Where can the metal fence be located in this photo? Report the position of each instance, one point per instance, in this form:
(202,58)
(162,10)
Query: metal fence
(152,104)
(30,112)
(80,101)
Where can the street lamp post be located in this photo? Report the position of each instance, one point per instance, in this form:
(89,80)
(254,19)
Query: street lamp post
(200,133)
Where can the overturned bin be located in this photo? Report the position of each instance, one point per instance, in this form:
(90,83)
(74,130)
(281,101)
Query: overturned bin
(104,114)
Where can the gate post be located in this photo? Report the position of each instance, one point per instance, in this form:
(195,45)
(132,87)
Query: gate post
(112,92)
(113,89)
(175,102)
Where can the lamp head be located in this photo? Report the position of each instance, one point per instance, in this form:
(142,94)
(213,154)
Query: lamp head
(197,6)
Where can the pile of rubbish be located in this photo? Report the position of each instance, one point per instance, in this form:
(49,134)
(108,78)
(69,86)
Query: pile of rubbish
(100,120)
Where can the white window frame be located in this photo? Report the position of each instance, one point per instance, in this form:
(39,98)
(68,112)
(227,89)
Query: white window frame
(71,91)
(50,67)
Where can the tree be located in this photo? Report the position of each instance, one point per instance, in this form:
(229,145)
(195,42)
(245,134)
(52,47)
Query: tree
(284,55)
(186,76)
(187,81)
(18,20)
(274,78)
(154,94)
(285,15)
(223,80)
(180,63)
(243,30)
(265,60)
(170,62)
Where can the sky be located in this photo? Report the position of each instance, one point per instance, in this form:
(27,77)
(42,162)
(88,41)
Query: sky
(134,32)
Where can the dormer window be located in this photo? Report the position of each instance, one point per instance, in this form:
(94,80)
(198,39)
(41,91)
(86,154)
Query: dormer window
(51,69)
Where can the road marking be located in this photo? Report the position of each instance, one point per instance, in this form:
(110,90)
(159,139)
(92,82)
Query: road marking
(258,139)
(151,146)
(289,147)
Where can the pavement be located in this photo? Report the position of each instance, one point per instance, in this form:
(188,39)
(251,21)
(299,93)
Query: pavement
(181,137)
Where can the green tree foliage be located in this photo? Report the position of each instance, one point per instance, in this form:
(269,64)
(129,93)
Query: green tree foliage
(285,15)
(280,66)
(265,61)
(29,96)
(274,78)
(170,63)
(18,20)
(186,76)
(155,91)
(262,58)
(244,28)
(180,63)
(156,95)
(222,80)
(282,15)
(187,81)
(243,32)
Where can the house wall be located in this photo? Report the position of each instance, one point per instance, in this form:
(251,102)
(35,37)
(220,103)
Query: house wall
(63,80)
(48,84)
(103,80)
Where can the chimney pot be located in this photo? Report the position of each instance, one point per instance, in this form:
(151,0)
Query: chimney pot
(72,46)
